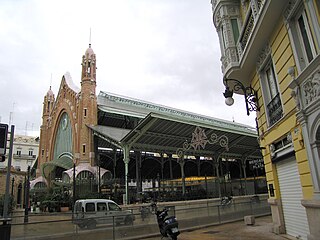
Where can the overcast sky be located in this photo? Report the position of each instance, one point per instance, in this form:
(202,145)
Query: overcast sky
(162,51)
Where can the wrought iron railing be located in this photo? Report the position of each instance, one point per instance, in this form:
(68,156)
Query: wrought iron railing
(275,111)
(24,156)
(253,14)
(44,225)
(247,32)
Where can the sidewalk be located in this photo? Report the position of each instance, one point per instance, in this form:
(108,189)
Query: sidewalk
(234,231)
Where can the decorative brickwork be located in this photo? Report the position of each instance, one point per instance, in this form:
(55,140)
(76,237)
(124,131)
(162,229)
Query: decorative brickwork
(80,104)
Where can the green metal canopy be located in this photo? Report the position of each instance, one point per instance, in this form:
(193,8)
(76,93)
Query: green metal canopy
(64,161)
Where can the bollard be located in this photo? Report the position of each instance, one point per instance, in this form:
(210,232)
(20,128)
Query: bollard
(249,220)
(5,229)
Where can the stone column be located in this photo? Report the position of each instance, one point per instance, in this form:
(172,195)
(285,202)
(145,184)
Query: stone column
(278,226)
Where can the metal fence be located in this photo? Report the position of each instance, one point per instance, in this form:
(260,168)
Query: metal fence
(60,226)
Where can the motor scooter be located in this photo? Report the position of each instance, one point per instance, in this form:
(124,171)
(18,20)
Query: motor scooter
(225,201)
(168,225)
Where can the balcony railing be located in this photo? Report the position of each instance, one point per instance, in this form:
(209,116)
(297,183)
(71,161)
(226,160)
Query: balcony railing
(252,17)
(275,110)
(246,33)
(24,156)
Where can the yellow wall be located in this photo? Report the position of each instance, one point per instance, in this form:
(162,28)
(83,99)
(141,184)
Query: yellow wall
(282,57)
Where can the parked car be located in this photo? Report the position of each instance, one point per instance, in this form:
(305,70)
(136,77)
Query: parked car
(90,212)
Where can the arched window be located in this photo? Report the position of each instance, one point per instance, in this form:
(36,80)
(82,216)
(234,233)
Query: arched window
(40,185)
(85,175)
(106,177)
(65,178)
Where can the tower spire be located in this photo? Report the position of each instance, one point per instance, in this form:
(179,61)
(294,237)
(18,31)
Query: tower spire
(90,38)
(50,81)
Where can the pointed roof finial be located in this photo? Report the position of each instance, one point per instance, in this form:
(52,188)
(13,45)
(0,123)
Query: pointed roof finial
(50,93)
(90,38)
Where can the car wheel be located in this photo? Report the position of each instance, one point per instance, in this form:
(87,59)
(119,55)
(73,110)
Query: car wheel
(92,224)
(82,226)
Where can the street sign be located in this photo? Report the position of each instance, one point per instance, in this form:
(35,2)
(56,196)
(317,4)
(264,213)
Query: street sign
(257,163)
(3,138)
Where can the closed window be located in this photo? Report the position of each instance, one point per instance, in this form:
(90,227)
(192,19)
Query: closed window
(303,35)
(271,93)
(90,207)
(235,30)
(101,207)
(271,81)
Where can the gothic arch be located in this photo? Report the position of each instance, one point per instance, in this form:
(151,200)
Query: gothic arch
(62,147)
(65,128)
(57,121)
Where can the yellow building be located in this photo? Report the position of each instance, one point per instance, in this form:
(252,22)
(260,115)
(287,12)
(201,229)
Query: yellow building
(270,53)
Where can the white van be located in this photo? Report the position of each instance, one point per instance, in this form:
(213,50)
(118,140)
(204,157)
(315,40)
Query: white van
(90,212)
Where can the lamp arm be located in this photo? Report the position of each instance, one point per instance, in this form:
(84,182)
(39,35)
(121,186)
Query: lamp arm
(250,95)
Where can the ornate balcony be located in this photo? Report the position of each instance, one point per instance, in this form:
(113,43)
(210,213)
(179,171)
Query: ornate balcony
(274,109)
(240,58)
(24,156)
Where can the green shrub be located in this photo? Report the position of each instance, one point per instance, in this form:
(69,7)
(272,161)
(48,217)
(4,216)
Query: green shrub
(11,204)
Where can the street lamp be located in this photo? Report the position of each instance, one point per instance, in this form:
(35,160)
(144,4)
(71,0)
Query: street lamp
(250,95)
(27,186)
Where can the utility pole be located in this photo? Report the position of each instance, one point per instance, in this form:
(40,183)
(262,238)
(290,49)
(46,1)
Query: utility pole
(6,197)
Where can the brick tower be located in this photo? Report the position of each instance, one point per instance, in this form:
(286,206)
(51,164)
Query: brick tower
(48,103)
(87,107)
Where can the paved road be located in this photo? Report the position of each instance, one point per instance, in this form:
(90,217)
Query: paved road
(62,227)
(233,231)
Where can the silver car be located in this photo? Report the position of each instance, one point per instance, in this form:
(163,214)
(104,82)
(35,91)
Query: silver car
(90,212)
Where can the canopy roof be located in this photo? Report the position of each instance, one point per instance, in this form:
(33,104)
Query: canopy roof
(63,162)
(166,130)
(168,134)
